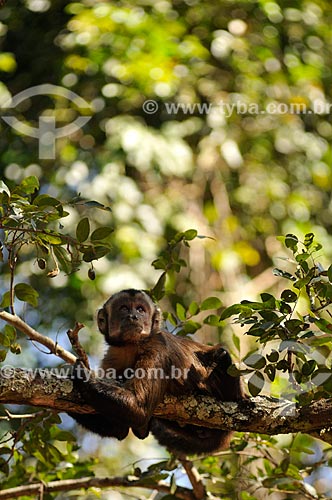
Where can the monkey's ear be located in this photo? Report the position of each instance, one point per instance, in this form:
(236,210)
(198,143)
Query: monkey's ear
(156,319)
(102,321)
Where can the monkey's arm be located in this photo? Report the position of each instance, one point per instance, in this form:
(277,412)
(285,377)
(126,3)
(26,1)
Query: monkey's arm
(132,403)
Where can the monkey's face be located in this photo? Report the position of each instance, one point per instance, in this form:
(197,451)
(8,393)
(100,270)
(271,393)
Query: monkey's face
(128,317)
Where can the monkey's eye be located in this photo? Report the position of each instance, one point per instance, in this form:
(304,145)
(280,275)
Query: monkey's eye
(124,309)
(140,309)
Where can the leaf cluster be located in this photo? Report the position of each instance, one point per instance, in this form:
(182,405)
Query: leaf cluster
(295,336)
(28,217)
(31,225)
(50,447)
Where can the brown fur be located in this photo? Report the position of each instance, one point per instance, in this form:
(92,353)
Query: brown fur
(130,322)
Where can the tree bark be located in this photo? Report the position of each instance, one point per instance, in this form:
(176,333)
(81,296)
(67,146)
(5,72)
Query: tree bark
(260,414)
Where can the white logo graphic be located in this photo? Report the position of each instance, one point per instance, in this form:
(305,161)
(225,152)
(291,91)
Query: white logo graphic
(46,132)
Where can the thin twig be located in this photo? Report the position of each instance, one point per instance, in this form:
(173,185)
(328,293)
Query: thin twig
(12,416)
(77,346)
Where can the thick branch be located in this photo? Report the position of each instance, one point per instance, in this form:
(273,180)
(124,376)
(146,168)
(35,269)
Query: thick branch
(260,414)
(23,327)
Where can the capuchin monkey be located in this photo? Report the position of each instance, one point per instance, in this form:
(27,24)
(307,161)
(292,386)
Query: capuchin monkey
(149,363)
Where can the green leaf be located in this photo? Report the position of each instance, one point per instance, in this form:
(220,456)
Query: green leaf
(177,238)
(301,257)
(212,320)
(5,302)
(270,371)
(52,239)
(171,318)
(191,326)
(308,239)
(10,333)
(284,465)
(180,312)
(291,241)
(273,356)
(295,326)
(15,348)
(63,259)
(285,308)
(193,308)
(322,340)
(190,234)
(255,360)
(26,293)
(61,435)
(289,296)
(304,265)
(234,371)
(235,309)
(269,315)
(44,200)
(329,273)
(158,291)
(309,367)
(94,204)
(324,325)
(95,253)
(236,342)
(256,383)
(269,300)
(210,303)
(283,274)
(160,263)
(283,365)
(302,282)
(101,233)
(159,466)
(29,184)
(83,230)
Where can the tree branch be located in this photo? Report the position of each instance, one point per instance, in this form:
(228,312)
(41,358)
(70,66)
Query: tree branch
(23,327)
(73,338)
(89,482)
(199,490)
(261,414)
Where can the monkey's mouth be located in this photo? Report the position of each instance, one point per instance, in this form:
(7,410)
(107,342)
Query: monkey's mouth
(130,328)
(130,323)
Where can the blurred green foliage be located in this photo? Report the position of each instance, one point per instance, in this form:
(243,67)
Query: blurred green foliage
(234,142)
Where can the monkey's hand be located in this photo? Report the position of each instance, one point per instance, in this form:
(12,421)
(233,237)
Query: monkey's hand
(80,373)
(90,389)
(94,390)
(221,359)
(142,432)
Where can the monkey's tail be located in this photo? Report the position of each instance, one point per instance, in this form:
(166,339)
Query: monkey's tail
(189,439)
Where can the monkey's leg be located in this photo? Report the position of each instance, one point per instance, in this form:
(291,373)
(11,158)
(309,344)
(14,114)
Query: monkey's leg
(101,425)
(189,439)
(223,386)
